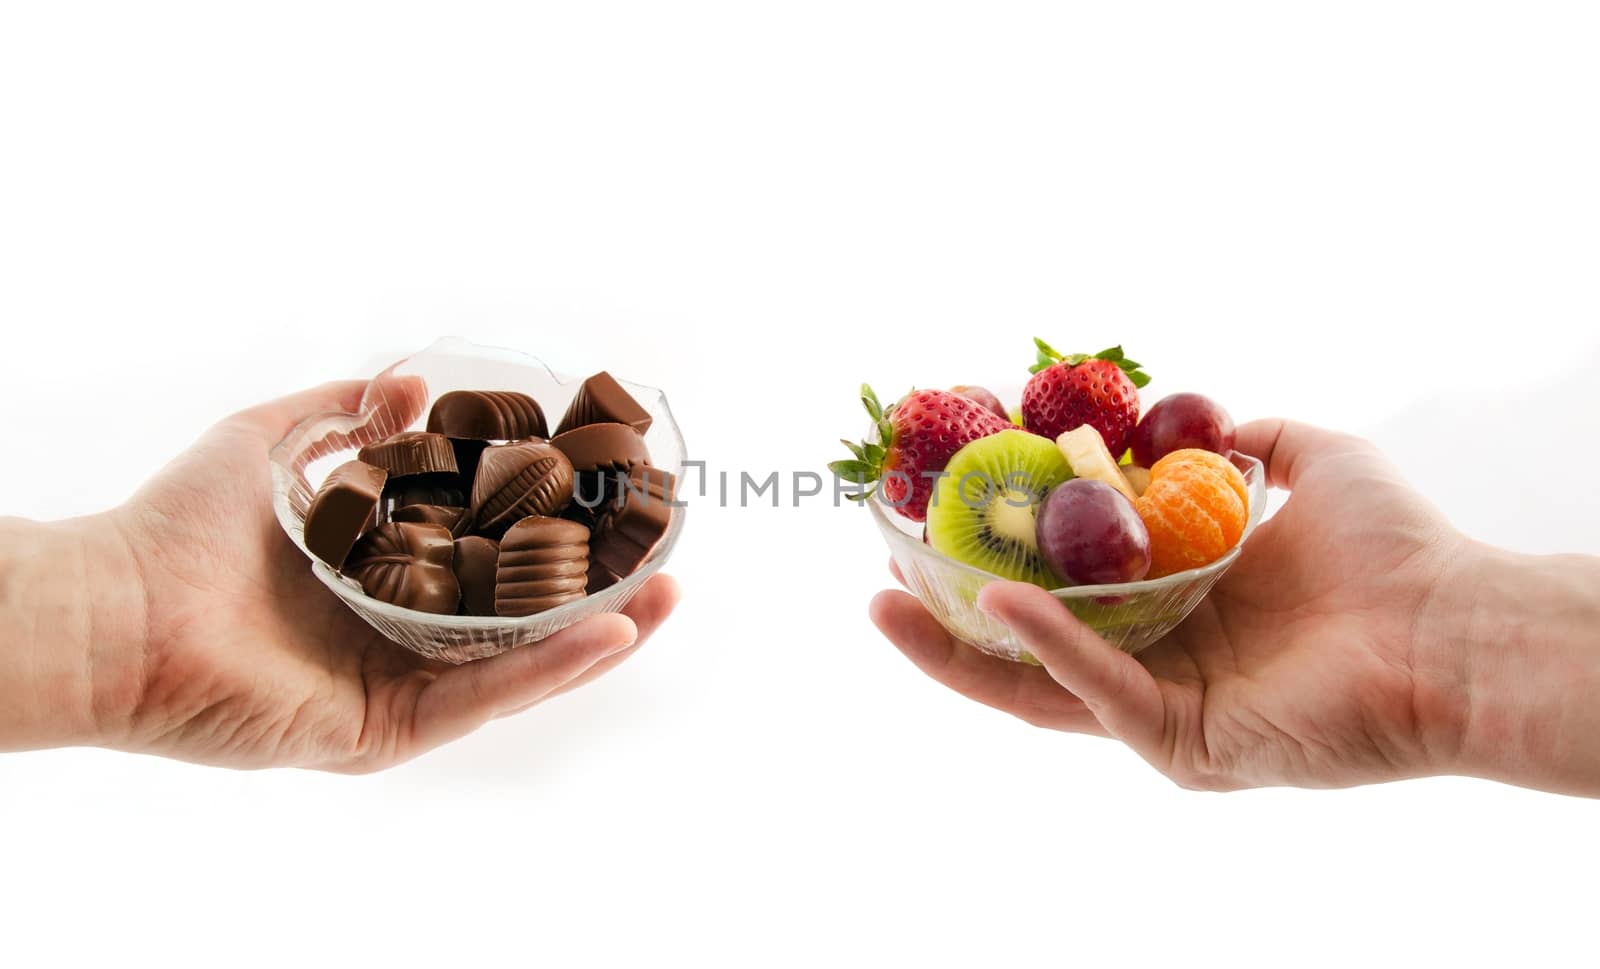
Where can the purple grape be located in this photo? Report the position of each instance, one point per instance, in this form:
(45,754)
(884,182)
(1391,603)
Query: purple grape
(984,397)
(1180,421)
(1089,534)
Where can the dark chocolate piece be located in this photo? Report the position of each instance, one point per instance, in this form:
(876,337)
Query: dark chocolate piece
(475,564)
(451,517)
(602,447)
(600,578)
(518,480)
(467,454)
(634,523)
(412,452)
(487,415)
(601,400)
(407,564)
(544,563)
(343,508)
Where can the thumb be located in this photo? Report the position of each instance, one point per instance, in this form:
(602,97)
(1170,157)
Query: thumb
(1115,687)
(358,411)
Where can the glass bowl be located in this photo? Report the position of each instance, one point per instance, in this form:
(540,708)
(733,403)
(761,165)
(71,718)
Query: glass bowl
(398,400)
(1129,615)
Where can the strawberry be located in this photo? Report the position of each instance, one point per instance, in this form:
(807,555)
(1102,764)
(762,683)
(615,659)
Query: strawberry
(1069,392)
(915,440)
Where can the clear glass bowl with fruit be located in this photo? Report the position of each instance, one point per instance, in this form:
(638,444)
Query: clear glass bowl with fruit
(967,493)
(400,402)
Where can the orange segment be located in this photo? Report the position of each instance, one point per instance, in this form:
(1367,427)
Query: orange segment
(1207,459)
(1193,512)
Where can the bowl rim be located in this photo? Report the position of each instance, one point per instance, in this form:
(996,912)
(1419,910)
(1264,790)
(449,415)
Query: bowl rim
(346,588)
(1255,480)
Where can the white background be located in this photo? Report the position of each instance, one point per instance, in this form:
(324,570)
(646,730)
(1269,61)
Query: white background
(1375,215)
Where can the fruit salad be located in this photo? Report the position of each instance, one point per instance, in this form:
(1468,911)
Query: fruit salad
(1079,486)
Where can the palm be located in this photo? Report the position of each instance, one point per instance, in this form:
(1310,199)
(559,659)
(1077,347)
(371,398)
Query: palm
(1298,668)
(250,662)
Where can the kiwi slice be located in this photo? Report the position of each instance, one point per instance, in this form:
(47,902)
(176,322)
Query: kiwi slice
(982,512)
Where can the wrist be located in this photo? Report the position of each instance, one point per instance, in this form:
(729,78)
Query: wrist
(1525,633)
(71,647)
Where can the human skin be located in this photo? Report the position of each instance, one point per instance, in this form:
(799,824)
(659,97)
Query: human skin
(1359,638)
(185,623)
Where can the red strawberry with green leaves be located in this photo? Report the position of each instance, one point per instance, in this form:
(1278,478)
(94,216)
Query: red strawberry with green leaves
(916,437)
(1067,392)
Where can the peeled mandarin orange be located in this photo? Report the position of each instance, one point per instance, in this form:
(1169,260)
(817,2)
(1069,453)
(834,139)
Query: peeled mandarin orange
(1207,459)
(1193,514)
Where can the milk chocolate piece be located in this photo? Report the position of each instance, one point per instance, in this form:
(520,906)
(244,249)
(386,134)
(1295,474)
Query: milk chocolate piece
(487,415)
(518,480)
(544,563)
(602,447)
(342,509)
(451,517)
(601,400)
(407,564)
(475,563)
(412,452)
(634,523)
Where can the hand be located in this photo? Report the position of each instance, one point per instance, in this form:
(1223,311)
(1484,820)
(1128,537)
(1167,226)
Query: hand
(1323,658)
(242,658)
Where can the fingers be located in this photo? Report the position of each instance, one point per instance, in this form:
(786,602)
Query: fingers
(1023,691)
(391,403)
(1116,688)
(1288,448)
(650,607)
(465,697)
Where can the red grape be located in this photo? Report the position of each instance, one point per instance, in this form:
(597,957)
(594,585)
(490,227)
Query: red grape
(1180,421)
(982,396)
(1089,534)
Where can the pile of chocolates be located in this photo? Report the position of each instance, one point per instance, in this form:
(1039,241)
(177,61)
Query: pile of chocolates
(487,514)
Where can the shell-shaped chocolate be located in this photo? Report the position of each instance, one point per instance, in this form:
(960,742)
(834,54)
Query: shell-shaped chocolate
(601,400)
(518,480)
(408,564)
(412,452)
(487,415)
(631,527)
(602,447)
(544,563)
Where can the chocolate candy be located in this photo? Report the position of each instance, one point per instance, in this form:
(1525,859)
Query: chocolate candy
(601,400)
(487,415)
(342,509)
(408,564)
(544,563)
(518,480)
(453,518)
(475,563)
(630,527)
(602,447)
(412,452)
(600,578)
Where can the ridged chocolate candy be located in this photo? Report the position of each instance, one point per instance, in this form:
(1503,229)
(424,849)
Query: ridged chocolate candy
(632,525)
(408,564)
(518,480)
(475,563)
(544,563)
(487,415)
(601,400)
(342,509)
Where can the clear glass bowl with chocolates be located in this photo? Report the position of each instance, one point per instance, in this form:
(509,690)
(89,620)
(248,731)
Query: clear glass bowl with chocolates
(453,515)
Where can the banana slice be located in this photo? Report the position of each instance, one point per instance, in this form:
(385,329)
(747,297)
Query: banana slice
(1085,451)
(1138,477)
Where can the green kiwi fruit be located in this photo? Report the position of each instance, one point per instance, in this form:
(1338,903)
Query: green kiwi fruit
(982,512)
